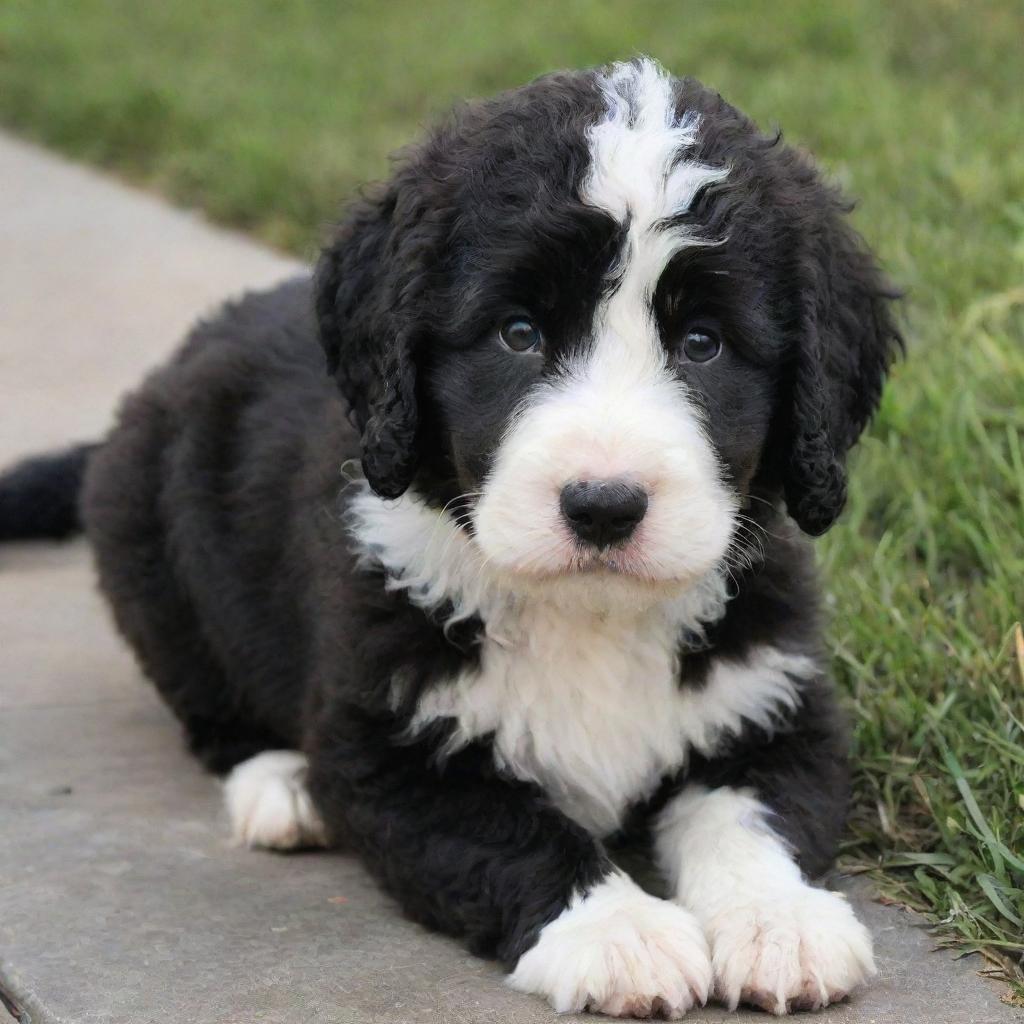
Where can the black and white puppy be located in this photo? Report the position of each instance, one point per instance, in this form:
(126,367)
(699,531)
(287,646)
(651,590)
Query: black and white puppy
(602,348)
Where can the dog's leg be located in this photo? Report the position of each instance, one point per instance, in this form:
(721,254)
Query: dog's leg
(776,941)
(269,805)
(486,858)
(732,845)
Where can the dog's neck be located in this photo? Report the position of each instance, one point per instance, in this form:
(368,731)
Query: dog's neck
(425,553)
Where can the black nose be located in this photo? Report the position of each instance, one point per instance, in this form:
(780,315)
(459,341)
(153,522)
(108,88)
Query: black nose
(603,512)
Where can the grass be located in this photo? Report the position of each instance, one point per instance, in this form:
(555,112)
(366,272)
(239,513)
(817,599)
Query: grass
(267,115)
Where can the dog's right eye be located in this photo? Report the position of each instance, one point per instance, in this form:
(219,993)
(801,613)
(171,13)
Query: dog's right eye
(521,335)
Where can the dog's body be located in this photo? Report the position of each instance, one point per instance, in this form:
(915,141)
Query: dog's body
(607,347)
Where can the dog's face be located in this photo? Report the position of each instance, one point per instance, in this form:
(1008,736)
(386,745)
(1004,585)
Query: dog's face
(600,315)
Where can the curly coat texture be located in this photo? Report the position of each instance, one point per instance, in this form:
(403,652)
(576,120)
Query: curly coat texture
(220,516)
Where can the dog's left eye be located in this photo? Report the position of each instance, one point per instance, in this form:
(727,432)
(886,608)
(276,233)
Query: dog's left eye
(521,335)
(701,345)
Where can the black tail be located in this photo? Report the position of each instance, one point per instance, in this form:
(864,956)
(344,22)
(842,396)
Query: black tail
(39,497)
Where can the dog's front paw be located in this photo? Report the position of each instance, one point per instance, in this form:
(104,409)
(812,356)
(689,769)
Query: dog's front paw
(268,803)
(620,952)
(800,948)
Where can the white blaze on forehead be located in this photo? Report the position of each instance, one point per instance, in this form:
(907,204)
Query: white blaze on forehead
(636,168)
(639,174)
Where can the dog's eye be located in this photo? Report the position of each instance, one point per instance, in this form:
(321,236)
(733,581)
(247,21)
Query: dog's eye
(521,335)
(701,345)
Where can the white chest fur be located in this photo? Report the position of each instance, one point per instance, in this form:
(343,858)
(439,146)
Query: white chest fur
(581,694)
(591,709)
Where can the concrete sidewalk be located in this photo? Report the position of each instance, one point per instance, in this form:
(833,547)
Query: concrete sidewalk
(121,899)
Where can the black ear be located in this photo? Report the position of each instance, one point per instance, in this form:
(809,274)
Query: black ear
(846,340)
(365,289)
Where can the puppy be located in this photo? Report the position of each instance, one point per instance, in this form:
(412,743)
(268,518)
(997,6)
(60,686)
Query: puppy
(600,349)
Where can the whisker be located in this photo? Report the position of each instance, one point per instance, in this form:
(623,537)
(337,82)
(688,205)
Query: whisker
(441,515)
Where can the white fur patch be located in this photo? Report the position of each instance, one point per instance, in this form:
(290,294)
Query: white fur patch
(621,952)
(426,554)
(429,556)
(268,803)
(619,411)
(638,174)
(581,699)
(591,709)
(605,419)
(776,942)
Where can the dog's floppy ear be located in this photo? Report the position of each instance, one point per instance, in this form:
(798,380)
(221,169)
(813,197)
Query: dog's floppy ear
(365,286)
(846,340)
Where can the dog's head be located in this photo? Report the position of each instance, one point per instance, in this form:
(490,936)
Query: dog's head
(600,315)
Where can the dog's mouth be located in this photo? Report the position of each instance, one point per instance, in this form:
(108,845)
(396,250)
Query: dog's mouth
(563,560)
(615,561)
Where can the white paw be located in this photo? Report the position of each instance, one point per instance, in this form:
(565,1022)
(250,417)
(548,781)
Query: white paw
(268,803)
(621,952)
(798,948)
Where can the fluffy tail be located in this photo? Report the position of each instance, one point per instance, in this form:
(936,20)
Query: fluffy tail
(39,496)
